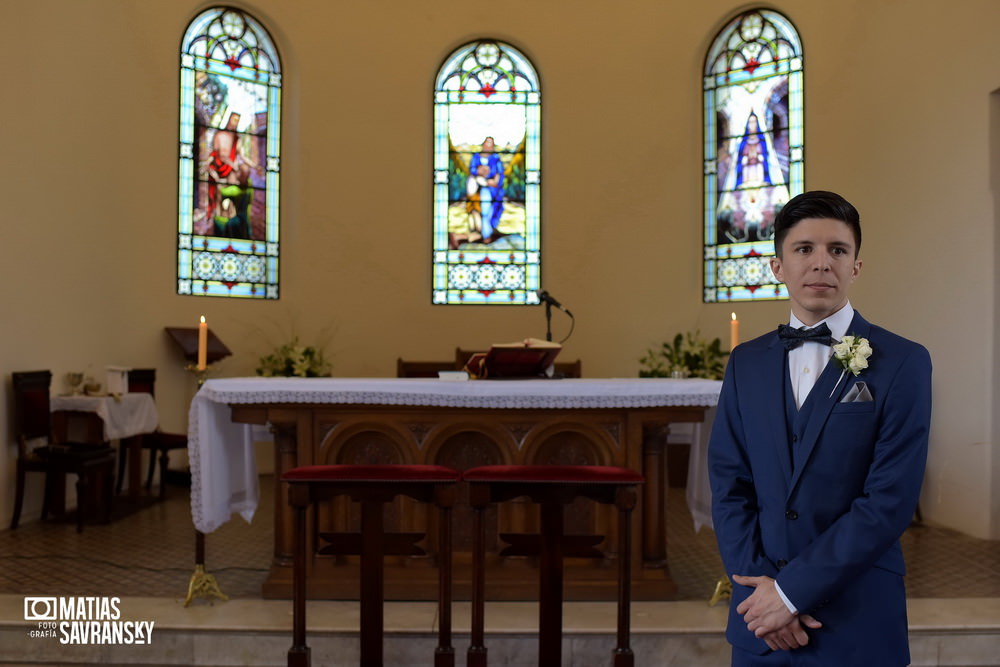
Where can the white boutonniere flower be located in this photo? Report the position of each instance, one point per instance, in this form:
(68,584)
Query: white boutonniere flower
(851,354)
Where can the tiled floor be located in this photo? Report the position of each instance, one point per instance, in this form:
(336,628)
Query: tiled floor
(147,558)
(150,553)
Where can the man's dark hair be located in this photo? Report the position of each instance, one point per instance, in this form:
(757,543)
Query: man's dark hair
(816,204)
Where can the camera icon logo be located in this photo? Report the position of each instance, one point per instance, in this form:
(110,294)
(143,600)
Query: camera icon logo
(40,609)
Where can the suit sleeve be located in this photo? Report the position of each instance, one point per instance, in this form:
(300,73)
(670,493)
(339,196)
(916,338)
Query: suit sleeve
(734,499)
(879,515)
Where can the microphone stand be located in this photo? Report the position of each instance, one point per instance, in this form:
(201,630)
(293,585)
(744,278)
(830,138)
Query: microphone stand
(548,321)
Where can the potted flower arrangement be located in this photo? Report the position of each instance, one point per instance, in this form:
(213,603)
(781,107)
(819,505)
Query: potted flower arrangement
(688,355)
(294,360)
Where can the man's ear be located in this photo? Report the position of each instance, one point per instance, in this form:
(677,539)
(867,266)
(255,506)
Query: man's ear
(776,268)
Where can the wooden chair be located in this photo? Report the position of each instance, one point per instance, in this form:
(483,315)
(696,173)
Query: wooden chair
(158,442)
(566,369)
(553,487)
(371,485)
(33,420)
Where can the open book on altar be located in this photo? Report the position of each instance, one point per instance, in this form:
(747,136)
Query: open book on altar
(528,358)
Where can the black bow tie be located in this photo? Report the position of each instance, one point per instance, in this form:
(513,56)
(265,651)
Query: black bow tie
(792,337)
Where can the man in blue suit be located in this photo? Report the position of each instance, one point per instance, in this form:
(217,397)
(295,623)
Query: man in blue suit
(816,461)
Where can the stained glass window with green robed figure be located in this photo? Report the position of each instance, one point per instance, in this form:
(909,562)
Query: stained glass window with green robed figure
(230,149)
(753,151)
(487,117)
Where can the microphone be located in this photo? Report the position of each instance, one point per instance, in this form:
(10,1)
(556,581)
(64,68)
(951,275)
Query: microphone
(545,297)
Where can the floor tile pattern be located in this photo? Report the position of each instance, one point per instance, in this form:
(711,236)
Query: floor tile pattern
(150,552)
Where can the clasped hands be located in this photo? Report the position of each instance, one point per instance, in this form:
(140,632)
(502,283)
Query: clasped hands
(767,616)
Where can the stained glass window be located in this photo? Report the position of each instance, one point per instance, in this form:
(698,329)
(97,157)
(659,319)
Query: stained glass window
(230,149)
(487,118)
(753,151)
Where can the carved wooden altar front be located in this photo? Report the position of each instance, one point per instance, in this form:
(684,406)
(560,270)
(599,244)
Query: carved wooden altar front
(462,438)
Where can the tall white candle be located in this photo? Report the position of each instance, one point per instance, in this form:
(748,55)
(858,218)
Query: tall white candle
(202,344)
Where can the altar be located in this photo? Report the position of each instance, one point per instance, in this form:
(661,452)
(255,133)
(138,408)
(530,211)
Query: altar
(621,422)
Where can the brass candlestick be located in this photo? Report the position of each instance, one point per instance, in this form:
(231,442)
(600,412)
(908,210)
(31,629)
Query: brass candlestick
(202,584)
(200,374)
(723,591)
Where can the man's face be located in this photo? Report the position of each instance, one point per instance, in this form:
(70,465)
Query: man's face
(818,264)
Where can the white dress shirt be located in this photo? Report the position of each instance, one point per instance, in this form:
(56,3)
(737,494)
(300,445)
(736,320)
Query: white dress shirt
(807,361)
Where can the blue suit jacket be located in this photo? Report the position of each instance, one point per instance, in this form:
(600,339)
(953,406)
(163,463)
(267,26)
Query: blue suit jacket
(827,526)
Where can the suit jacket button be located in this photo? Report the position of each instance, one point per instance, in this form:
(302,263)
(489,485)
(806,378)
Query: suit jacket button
(791,515)
(781,563)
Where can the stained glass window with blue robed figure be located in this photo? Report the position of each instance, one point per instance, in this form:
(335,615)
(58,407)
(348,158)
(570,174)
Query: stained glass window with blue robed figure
(753,151)
(487,175)
(229,162)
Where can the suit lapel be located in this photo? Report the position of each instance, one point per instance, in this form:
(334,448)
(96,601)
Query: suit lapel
(773,376)
(826,393)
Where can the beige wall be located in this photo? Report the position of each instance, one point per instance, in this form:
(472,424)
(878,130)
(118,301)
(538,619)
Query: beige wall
(897,118)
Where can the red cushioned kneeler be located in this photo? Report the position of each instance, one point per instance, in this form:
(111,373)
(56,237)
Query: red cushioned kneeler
(552,487)
(372,486)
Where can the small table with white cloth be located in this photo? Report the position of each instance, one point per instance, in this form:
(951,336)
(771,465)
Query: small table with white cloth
(623,422)
(105,419)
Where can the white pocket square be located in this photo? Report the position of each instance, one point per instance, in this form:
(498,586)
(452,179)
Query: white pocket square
(858,394)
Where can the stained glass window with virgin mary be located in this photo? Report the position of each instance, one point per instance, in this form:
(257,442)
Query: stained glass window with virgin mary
(753,151)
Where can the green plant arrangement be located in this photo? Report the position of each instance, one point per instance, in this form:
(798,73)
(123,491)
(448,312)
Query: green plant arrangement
(689,355)
(294,360)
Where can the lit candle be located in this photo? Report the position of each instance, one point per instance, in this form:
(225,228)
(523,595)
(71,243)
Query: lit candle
(202,344)
(734,333)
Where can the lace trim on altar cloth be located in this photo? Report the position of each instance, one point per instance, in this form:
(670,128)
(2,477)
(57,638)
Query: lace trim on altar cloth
(499,394)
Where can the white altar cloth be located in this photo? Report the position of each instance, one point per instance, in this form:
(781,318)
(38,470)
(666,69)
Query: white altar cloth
(224,471)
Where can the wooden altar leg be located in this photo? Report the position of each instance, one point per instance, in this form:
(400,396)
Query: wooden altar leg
(654,495)
(286,448)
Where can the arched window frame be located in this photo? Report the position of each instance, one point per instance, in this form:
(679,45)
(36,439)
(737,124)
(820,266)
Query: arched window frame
(230,46)
(486,73)
(755,57)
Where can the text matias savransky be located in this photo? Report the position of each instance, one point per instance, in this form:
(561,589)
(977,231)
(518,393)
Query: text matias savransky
(84,620)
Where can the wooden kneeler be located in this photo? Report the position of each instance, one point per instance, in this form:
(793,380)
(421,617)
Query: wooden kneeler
(552,487)
(372,486)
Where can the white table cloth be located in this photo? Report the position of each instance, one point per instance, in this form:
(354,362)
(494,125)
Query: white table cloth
(127,415)
(224,472)
(698,493)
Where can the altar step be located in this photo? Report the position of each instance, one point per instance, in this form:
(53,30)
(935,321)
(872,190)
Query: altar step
(944,632)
